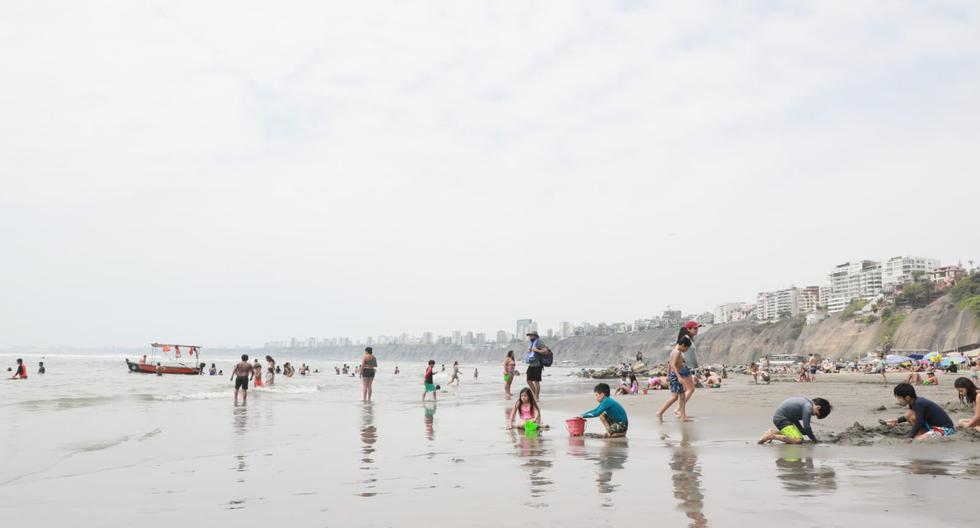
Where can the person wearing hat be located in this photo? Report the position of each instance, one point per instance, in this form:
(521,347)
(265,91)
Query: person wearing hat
(535,366)
(689,330)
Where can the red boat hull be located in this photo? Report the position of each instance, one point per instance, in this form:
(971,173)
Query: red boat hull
(145,368)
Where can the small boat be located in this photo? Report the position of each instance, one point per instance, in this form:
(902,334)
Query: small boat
(172,365)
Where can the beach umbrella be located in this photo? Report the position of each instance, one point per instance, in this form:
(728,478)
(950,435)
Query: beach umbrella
(949,360)
(892,359)
(935,357)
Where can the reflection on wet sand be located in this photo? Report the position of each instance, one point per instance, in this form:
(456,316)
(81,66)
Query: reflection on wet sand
(687,477)
(533,448)
(240,426)
(369,436)
(612,456)
(429,420)
(928,467)
(799,474)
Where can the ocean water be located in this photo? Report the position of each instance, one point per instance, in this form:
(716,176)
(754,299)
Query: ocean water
(89,444)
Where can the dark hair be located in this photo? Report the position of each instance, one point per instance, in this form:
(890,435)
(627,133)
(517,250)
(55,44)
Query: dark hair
(368,350)
(510,354)
(684,332)
(971,389)
(684,341)
(905,390)
(530,399)
(432,362)
(601,388)
(244,357)
(268,358)
(632,377)
(20,360)
(825,407)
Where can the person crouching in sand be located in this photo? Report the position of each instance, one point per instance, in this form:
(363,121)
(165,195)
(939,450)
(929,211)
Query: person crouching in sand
(968,394)
(676,370)
(610,413)
(526,409)
(928,419)
(788,418)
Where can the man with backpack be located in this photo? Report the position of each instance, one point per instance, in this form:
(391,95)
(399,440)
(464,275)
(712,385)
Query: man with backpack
(538,357)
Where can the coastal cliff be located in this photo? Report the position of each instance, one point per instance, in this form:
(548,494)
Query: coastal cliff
(942,325)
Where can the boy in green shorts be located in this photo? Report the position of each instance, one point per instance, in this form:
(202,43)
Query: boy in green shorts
(430,386)
(788,418)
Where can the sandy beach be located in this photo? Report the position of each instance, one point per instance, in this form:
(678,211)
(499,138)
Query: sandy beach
(164,451)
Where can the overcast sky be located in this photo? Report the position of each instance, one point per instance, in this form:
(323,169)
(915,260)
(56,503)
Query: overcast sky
(234,173)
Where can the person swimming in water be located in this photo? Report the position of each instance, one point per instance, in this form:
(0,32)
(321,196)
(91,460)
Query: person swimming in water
(21,371)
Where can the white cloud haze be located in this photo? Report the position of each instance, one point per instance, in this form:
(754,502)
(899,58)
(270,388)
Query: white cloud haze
(242,172)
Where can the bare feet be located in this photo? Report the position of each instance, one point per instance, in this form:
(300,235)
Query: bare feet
(766,437)
(660,416)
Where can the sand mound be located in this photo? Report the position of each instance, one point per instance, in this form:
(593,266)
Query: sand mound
(861,435)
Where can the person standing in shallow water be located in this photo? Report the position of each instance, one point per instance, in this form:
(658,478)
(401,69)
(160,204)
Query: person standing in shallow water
(535,367)
(509,365)
(369,364)
(240,374)
(270,378)
(690,330)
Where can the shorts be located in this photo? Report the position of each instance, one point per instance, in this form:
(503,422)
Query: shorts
(534,373)
(675,384)
(430,387)
(685,372)
(932,432)
(367,373)
(813,370)
(616,427)
(791,431)
(241,382)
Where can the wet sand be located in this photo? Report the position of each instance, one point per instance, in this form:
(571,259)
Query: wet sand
(325,459)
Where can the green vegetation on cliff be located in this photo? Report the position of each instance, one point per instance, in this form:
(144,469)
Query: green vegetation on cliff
(966,292)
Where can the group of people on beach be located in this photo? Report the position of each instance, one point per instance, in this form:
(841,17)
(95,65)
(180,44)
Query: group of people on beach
(245,372)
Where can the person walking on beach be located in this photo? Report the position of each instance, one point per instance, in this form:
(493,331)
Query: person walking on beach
(455,378)
(430,385)
(369,364)
(689,330)
(675,372)
(811,365)
(788,418)
(240,374)
(21,371)
(509,364)
(535,365)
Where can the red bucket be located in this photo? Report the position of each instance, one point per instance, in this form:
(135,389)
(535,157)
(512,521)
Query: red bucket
(575,426)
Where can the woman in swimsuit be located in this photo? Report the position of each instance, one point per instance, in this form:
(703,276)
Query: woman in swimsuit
(369,364)
(257,374)
(509,364)
(270,376)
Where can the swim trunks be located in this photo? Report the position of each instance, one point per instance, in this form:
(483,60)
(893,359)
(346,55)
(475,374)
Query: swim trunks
(675,384)
(429,387)
(813,370)
(241,382)
(791,431)
(685,372)
(367,372)
(938,431)
(534,373)
(616,427)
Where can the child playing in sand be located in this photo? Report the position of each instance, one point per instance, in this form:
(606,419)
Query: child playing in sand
(610,413)
(928,419)
(968,394)
(931,379)
(788,416)
(526,408)
(430,386)
(676,369)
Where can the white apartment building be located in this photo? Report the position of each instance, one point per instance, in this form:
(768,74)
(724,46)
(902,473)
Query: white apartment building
(502,337)
(565,329)
(853,280)
(732,312)
(899,270)
(809,299)
(524,326)
(774,305)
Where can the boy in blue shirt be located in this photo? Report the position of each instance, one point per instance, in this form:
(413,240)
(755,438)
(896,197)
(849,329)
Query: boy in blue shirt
(610,413)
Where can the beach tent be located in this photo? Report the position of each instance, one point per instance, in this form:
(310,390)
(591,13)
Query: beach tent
(892,359)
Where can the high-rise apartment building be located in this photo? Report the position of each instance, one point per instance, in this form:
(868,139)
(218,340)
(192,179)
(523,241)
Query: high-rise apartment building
(853,280)
(565,329)
(524,326)
(731,312)
(901,270)
(775,305)
(502,337)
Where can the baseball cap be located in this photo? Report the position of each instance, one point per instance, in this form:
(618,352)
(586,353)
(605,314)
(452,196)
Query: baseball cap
(692,324)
